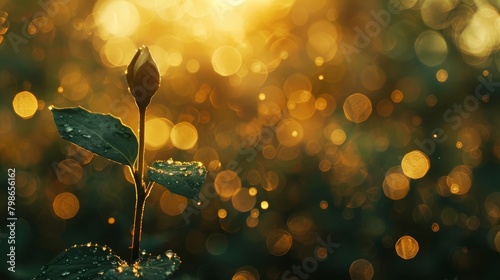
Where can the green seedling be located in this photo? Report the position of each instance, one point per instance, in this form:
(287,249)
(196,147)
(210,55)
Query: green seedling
(108,137)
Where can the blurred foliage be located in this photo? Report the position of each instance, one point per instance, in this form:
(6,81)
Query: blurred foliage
(371,124)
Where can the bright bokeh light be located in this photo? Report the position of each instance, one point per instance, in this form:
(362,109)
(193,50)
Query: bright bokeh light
(481,36)
(184,136)
(226,60)
(157,133)
(415,164)
(25,104)
(264,205)
(442,75)
(222,213)
(407,247)
(117,17)
(431,48)
(338,136)
(118,51)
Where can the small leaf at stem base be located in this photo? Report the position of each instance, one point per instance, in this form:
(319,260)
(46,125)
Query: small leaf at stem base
(91,261)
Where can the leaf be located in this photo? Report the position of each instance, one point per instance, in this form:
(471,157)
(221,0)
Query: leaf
(85,261)
(182,178)
(101,134)
(160,267)
(91,261)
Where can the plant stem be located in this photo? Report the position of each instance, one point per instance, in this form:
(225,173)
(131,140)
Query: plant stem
(140,200)
(142,124)
(140,190)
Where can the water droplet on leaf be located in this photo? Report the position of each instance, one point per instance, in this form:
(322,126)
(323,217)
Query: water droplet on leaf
(169,254)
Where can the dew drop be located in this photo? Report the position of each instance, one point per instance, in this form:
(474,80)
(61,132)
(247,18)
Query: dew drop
(44,267)
(66,273)
(198,203)
(51,107)
(169,254)
(170,161)
(86,136)
(68,128)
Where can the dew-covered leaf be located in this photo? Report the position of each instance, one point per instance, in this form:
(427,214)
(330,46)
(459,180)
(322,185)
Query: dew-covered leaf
(87,261)
(104,135)
(158,267)
(91,261)
(182,178)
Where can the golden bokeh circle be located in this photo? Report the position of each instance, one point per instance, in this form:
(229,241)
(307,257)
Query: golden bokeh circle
(279,242)
(184,136)
(226,60)
(227,183)
(172,204)
(289,132)
(415,164)
(396,186)
(361,269)
(357,108)
(243,201)
(25,104)
(66,205)
(407,247)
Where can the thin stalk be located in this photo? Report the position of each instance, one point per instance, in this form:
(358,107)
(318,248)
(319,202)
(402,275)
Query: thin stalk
(140,190)
(142,124)
(140,200)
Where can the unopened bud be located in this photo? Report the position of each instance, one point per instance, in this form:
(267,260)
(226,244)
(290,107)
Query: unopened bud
(143,77)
